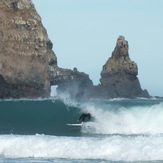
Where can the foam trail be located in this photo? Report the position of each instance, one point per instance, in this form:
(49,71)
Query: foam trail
(133,120)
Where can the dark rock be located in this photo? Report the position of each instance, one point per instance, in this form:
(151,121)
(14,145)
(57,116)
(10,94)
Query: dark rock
(119,74)
(28,66)
(118,78)
(73,83)
(15,5)
(26,57)
(120,62)
(49,44)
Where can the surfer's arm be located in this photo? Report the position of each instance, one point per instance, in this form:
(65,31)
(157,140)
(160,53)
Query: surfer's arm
(80,117)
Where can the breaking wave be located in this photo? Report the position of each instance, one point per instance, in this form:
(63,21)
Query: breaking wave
(120,130)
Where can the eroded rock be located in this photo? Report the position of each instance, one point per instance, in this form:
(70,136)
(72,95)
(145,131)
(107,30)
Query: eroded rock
(26,57)
(119,74)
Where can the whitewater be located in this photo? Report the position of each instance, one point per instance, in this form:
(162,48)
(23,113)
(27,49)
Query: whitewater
(121,131)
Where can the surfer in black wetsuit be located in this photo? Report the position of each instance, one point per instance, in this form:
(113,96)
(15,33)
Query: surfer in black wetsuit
(84,116)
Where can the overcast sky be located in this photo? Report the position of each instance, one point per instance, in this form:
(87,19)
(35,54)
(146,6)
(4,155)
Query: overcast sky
(84,34)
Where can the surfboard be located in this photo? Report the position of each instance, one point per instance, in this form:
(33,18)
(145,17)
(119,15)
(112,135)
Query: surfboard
(76,124)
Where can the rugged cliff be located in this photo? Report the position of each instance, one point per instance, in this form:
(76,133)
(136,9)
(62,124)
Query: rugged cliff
(26,56)
(119,74)
(28,65)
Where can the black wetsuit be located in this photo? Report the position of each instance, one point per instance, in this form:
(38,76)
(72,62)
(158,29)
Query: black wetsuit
(84,116)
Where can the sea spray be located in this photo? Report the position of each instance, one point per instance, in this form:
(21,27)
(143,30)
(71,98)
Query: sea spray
(125,120)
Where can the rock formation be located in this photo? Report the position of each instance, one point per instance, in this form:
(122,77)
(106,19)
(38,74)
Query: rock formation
(75,84)
(119,74)
(118,78)
(28,65)
(26,56)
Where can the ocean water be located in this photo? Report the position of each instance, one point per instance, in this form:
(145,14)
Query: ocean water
(121,131)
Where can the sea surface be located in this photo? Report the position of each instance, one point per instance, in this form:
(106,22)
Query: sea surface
(121,131)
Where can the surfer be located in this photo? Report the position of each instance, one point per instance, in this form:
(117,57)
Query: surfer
(84,116)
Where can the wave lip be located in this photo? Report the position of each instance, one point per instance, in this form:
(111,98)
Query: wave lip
(50,117)
(129,120)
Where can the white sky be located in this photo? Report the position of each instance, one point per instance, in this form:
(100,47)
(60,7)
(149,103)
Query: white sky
(84,34)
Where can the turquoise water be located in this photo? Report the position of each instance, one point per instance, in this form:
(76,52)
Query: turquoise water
(37,117)
(121,131)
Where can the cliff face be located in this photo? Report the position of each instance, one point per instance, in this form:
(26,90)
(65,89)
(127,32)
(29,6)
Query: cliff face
(119,74)
(26,57)
(28,66)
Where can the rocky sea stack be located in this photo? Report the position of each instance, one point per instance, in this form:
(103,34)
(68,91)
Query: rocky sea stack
(119,74)
(28,65)
(118,78)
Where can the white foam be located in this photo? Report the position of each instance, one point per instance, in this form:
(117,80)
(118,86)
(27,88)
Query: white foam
(134,120)
(113,148)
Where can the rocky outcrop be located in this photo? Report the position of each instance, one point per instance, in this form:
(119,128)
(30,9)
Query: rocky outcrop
(119,74)
(118,78)
(120,62)
(28,65)
(73,83)
(26,57)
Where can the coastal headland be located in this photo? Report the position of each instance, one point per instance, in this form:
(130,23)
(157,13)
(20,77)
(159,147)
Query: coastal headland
(28,65)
